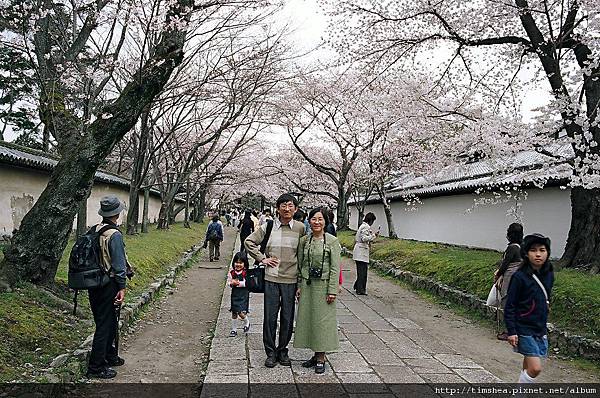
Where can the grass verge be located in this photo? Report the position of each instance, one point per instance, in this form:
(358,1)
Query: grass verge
(575,296)
(35,326)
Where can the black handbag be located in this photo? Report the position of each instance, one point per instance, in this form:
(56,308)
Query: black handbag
(255,279)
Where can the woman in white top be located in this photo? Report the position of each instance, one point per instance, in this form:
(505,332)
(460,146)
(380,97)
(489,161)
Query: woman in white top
(360,254)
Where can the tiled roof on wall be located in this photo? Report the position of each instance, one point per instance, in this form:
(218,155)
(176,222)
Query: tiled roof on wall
(31,158)
(528,167)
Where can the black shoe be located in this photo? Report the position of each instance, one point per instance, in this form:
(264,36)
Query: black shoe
(284,359)
(270,362)
(118,361)
(320,368)
(107,373)
(361,293)
(310,363)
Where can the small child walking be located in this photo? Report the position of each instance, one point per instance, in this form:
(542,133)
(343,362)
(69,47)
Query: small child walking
(240,296)
(527,305)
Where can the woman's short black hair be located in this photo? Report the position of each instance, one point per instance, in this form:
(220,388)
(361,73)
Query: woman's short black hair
(369,218)
(247,213)
(240,257)
(215,218)
(317,210)
(286,197)
(514,233)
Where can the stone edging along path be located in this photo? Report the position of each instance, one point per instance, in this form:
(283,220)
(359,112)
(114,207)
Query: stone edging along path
(566,342)
(75,362)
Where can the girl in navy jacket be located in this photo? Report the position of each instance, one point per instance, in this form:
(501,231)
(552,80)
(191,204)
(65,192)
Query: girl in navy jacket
(527,305)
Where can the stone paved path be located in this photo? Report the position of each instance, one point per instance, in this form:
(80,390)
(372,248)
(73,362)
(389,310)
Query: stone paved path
(374,349)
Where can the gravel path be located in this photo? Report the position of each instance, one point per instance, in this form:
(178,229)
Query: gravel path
(171,343)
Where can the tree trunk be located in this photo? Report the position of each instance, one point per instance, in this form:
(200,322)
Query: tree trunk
(82,219)
(583,242)
(133,212)
(342,210)
(201,204)
(137,175)
(145,220)
(387,208)
(38,245)
(186,222)
(361,216)
(163,217)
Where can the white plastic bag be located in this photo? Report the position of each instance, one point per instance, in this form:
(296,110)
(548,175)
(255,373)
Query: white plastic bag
(493,299)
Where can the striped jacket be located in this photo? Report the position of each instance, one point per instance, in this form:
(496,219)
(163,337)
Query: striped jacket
(283,244)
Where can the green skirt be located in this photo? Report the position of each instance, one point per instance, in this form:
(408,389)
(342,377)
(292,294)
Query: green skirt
(316,325)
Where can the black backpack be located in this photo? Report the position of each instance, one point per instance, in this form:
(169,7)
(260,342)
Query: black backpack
(85,263)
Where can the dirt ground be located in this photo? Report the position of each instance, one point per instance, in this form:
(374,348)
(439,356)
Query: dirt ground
(464,335)
(170,344)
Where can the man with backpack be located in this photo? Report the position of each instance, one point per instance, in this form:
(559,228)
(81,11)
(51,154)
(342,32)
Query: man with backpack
(214,237)
(104,300)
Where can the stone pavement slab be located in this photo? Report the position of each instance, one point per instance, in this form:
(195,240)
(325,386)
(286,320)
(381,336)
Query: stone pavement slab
(375,349)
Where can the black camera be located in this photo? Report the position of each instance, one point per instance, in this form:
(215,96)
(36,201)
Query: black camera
(315,272)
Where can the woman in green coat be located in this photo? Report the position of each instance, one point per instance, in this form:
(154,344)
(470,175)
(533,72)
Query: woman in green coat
(318,277)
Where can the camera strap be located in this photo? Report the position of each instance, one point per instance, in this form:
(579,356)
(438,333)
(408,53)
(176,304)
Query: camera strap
(310,259)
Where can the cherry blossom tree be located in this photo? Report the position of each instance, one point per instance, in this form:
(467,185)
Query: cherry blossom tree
(329,120)
(38,244)
(486,47)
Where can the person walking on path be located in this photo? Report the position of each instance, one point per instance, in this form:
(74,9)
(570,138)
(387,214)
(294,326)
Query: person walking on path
(265,216)
(511,259)
(254,217)
(246,228)
(214,237)
(240,296)
(103,300)
(281,273)
(319,257)
(528,305)
(364,237)
(330,227)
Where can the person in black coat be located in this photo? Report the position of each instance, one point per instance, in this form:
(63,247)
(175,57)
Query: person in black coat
(511,261)
(246,227)
(528,305)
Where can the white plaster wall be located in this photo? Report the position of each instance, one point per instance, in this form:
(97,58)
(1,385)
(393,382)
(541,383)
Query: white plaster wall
(445,219)
(21,187)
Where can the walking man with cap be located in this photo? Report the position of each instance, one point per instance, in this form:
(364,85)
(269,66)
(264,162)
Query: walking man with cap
(104,299)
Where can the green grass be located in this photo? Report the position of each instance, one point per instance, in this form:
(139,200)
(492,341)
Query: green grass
(575,296)
(29,320)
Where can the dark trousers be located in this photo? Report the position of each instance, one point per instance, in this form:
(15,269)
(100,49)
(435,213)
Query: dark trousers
(214,249)
(361,277)
(105,318)
(242,239)
(279,299)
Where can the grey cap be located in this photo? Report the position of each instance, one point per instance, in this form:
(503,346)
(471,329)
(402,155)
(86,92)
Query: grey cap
(110,206)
